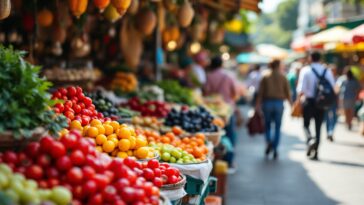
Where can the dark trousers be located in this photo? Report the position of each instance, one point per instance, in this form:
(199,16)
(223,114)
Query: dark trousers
(310,111)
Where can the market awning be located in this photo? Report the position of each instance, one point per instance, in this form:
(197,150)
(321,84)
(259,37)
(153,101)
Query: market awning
(332,35)
(301,44)
(355,36)
(271,51)
(252,58)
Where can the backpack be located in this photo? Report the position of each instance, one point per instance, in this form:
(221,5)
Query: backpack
(325,95)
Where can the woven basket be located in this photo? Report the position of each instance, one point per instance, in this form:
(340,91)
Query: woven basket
(178,185)
(8,141)
(214,137)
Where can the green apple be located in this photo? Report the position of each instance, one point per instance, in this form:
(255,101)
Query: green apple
(186,158)
(175,153)
(28,195)
(166,148)
(13,195)
(4,180)
(31,184)
(172,160)
(19,177)
(61,196)
(5,169)
(180,161)
(17,186)
(166,156)
(44,194)
(186,161)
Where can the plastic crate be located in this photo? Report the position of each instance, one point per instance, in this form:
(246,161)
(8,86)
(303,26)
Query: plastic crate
(194,186)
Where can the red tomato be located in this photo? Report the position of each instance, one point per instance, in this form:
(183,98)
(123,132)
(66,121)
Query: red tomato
(148,188)
(128,194)
(60,106)
(32,149)
(96,200)
(158,182)
(110,175)
(77,157)
(90,187)
(172,179)
(57,149)
(101,181)
(70,115)
(82,105)
(77,192)
(153,164)
(91,107)
(10,157)
(64,163)
(157,172)
(43,184)
(53,182)
(68,104)
(57,95)
(46,143)
(139,194)
(72,91)
(76,202)
(87,101)
(34,172)
(79,89)
(69,141)
(85,120)
(77,108)
(83,145)
(52,172)
(63,91)
(171,172)
(43,160)
(121,183)
(148,174)
(109,193)
(74,175)
(88,172)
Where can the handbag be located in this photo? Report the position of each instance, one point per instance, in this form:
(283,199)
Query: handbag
(296,109)
(256,124)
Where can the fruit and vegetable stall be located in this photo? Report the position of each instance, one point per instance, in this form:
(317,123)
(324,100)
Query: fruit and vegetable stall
(103,118)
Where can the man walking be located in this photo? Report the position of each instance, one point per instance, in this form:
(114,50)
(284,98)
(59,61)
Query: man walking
(313,82)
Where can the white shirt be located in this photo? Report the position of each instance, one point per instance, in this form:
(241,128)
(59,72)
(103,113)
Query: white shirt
(307,80)
(199,73)
(254,80)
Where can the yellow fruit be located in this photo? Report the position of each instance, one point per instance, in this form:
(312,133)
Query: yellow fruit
(150,155)
(84,131)
(124,133)
(101,139)
(108,129)
(101,129)
(108,146)
(114,153)
(95,122)
(107,122)
(63,132)
(122,155)
(130,153)
(132,142)
(140,142)
(115,125)
(75,124)
(92,132)
(99,148)
(124,145)
(115,140)
(142,153)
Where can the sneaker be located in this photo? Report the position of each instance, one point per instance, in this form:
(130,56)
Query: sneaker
(275,155)
(231,170)
(330,138)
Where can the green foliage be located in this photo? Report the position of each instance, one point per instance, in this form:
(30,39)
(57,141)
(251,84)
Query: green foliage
(24,100)
(174,92)
(287,14)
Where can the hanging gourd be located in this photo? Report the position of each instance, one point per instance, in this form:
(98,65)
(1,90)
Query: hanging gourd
(5,8)
(101,4)
(185,14)
(111,14)
(121,5)
(134,6)
(78,7)
(146,21)
(45,18)
(131,44)
(171,33)
(170,5)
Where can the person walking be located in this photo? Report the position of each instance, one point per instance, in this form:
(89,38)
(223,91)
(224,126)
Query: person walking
(308,84)
(349,91)
(273,90)
(253,81)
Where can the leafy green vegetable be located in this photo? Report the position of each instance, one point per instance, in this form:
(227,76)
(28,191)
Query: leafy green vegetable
(24,100)
(174,92)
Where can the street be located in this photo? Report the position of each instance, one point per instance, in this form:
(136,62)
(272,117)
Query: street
(337,178)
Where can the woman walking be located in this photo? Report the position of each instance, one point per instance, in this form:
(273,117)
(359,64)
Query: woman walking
(273,90)
(349,91)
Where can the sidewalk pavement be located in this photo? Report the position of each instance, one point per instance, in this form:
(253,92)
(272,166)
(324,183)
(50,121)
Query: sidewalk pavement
(337,178)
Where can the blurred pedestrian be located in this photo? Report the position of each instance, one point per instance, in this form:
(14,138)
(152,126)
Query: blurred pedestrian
(253,81)
(220,83)
(292,77)
(273,90)
(309,82)
(349,91)
(331,113)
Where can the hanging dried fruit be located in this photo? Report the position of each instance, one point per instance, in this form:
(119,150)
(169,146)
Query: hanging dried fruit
(5,8)
(78,7)
(59,34)
(111,14)
(134,6)
(101,4)
(146,20)
(45,18)
(185,14)
(131,44)
(121,5)
(171,33)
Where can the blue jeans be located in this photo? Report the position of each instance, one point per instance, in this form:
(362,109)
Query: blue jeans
(331,119)
(273,111)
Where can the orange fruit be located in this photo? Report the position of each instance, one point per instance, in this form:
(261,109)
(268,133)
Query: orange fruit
(140,142)
(142,153)
(115,125)
(101,129)
(75,124)
(177,130)
(108,129)
(63,132)
(200,142)
(197,152)
(165,140)
(170,135)
(99,148)
(108,146)
(114,139)
(92,132)
(205,150)
(132,142)
(186,140)
(107,122)
(193,144)
(124,145)
(95,122)
(122,155)
(130,153)
(84,131)
(200,136)
(100,139)
(124,133)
